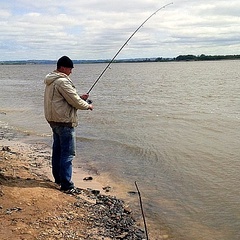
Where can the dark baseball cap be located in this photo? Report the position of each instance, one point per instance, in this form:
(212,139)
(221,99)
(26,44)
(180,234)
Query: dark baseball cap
(65,61)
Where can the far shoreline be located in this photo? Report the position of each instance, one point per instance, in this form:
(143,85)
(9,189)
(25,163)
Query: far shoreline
(179,58)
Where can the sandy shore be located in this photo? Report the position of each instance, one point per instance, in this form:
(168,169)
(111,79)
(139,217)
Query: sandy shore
(33,207)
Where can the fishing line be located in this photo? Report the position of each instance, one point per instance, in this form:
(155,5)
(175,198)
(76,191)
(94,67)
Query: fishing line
(108,65)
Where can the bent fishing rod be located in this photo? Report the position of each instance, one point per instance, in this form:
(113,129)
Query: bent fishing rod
(108,65)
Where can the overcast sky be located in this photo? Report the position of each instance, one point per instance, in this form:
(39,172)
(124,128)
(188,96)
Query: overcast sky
(96,29)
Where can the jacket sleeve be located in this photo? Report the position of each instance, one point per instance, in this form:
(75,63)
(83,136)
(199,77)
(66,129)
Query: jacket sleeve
(69,93)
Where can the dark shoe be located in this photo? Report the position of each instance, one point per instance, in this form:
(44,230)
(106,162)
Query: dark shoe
(73,191)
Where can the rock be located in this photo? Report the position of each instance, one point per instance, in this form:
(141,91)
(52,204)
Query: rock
(165,236)
(95,192)
(6,148)
(107,188)
(115,219)
(132,193)
(87,178)
(122,236)
(127,210)
(14,209)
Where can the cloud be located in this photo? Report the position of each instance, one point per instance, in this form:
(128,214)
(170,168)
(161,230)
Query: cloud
(97,29)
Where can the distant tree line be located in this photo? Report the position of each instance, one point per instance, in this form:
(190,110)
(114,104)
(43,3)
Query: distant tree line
(204,57)
(179,58)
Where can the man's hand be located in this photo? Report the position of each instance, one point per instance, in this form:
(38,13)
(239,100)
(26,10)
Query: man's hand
(84,96)
(90,107)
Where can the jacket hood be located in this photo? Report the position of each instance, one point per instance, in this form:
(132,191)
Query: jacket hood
(51,77)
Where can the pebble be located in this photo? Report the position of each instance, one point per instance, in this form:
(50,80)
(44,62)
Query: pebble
(88,178)
(14,209)
(111,215)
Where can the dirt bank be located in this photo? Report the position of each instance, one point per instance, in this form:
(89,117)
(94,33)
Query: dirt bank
(33,207)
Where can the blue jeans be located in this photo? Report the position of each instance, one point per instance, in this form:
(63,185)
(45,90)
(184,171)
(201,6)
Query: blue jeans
(63,152)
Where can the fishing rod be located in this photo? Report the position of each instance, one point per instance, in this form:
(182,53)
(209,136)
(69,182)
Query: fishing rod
(105,69)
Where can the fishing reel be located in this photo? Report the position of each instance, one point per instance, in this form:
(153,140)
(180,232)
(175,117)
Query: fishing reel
(89,101)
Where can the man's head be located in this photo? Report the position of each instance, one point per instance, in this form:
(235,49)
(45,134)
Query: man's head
(65,65)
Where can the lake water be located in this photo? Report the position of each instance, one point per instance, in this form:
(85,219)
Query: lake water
(172,127)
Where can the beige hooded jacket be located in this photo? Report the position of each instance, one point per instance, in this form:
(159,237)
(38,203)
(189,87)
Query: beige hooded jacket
(61,100)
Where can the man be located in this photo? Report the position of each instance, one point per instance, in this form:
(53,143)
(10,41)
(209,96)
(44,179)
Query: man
(61,103)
